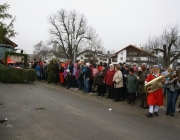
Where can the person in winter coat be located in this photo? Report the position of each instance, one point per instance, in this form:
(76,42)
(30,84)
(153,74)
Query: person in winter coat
(101,85)
(125,74)
(155,98)
(61,77)
(68,79)
(173,87)
(132,85)
(118,83)
(94,72)
(38,68)
(108,80)
(87,75)
(141,82)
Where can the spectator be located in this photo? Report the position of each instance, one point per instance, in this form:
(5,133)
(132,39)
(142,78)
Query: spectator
(87,76)
(68,79)
(141,82)
(118,83)
(125,74)
(108,80)
(132,84)
(94,72)
(173,87)
(101,85)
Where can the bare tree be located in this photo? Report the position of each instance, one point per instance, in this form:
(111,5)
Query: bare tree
(167,45)
(40,47)
(68,25)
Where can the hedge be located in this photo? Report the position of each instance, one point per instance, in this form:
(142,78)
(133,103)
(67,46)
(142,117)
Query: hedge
(14,75)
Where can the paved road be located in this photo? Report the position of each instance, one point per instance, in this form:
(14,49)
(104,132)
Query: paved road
(41,111)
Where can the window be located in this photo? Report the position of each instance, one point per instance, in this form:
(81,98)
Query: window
(134,53)
(81,57)
(130,53)
(138,58)
(115,59)
(121,53)
(121,58)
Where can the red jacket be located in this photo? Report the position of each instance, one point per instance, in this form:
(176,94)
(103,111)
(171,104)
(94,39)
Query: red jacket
(156,97)
(108,78)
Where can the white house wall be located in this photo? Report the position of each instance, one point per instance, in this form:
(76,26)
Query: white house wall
(122,55)
(144,58)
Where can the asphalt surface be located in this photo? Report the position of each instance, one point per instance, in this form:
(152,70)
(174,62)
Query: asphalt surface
(40,111)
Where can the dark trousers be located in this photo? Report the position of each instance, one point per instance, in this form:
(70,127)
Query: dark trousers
(80,83)
(118,92)
(68,83)
(125,92)
(143,100)
(101,90)
(110,90)
(132,97)
(171,101)
(90,84)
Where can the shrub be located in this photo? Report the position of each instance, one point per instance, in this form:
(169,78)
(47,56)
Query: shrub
(14,75)
(52,71)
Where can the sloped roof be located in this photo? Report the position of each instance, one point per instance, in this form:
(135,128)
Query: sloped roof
(9,42)
(136,48)
(97,53)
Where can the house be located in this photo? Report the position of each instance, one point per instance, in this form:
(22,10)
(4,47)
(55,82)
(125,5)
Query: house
(133,54)
(95,57)
(7,45)
(49,55)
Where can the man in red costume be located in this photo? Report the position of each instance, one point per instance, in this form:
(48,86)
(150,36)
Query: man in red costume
(154,99)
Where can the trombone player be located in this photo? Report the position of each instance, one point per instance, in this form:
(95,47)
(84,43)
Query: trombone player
(155,98)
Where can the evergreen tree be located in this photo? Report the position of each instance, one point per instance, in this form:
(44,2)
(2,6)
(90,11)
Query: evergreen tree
(6,30)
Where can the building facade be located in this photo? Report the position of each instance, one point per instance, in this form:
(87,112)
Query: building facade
(95,57)
(7,45)
(133,54)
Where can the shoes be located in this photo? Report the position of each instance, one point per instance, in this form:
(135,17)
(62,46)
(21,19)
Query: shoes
(156,113)
(149,115)
(171,115)
(167,113)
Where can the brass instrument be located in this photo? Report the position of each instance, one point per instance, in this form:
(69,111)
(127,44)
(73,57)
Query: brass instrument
(156,83)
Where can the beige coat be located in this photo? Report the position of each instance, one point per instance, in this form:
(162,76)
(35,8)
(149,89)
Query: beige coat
(118,79)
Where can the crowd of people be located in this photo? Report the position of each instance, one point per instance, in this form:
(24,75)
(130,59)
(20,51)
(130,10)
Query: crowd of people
(121,82)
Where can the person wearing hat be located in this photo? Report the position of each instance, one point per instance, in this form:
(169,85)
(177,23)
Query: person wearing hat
(155,98)
(141,82)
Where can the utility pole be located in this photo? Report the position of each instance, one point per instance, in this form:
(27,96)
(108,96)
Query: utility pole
(73,44)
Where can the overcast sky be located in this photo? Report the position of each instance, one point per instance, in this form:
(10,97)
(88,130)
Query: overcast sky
(118,22)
